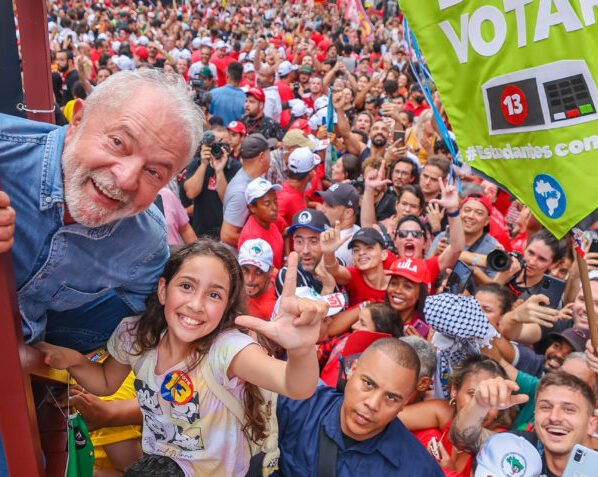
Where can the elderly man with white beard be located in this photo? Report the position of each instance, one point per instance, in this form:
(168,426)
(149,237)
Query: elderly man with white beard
(87,244)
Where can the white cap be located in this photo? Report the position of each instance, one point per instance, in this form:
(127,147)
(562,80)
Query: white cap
(258,188)
(321,103)
(320,144)
(115,46)
(102,36)
(206,41)
(196,43)
(256,252)
(285,68)
(299,108)
(248,68)
(219,44)
(124,63)
(184,54)
(505,454)
(302,160)
(143,41)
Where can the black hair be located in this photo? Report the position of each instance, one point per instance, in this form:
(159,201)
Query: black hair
(405,160)
(505,295)
(235,71)
(384,319)
(414,190)
(352,166)
(557,247)
(297,176)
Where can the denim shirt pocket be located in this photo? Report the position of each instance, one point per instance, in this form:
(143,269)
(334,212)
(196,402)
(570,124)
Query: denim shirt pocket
(67,297)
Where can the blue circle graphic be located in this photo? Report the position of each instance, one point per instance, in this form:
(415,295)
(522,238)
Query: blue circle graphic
(550,196)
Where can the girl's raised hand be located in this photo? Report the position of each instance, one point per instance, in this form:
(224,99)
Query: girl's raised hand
(297,324)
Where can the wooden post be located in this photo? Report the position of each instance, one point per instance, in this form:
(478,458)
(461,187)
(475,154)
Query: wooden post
(18,423)
(589,300)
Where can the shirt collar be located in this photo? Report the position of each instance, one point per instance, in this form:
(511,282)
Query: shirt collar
(52,188)
(379,443)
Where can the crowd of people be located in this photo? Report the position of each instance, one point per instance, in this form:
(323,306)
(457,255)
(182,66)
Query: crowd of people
(248,241)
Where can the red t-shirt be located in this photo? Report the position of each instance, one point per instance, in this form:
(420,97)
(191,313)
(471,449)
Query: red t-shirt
(263,305)
(221,65)
(359,291)
(286,94)
(290,202)
(272,235)
(415,109)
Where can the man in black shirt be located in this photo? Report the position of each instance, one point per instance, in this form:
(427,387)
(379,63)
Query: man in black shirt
(207,178)
(254,118)
(66,65)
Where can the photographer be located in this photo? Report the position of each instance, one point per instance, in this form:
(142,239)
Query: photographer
(475,214)
(207,179)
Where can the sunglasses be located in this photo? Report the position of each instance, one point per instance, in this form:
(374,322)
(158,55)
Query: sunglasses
(414,233)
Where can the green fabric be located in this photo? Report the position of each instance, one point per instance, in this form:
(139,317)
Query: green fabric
(518,83)
(81,456)
(527,385)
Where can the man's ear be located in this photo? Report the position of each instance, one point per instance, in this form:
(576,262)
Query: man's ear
(78,111)
(423,384)
(592,425)
(353,368)
(384,254)
(162,291)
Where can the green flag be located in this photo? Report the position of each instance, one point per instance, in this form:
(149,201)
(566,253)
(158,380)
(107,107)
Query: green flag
(518,81)
(80,448)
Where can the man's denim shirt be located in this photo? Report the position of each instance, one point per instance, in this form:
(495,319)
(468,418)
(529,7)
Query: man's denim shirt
(61,267)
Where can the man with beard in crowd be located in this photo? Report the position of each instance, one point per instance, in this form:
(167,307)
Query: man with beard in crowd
(69,76)
(254,119)
(416,103)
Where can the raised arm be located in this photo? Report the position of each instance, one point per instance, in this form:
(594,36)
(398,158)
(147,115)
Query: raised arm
(296,328)
(450,201)
(467,432)
(524,323)
(330,241)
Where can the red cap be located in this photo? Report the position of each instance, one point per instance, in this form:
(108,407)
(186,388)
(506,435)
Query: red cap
(480,198)
(237,127)
(358,341)
(257,93)
(142,52)
(301,124)
(413,269)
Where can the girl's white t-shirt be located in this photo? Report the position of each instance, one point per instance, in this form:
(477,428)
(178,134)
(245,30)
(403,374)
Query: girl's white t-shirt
(182,418)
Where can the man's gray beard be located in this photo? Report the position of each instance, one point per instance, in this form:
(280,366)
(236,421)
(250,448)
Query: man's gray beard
(82,210)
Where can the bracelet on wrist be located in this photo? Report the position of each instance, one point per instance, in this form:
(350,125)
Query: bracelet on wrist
(453,214)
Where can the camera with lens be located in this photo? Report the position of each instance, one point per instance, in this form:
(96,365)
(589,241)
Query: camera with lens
(499,260)
(201,95)
(217,148)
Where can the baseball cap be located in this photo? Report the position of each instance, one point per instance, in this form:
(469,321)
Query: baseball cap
(124,63)
(360,340)
(306,69)
(142,52)
(259,188)
(302,125)
(505,454)
(413,269)
(286,68)
(237,127)
(254,144)
(256,252)
(257,93)
(368,236)
(311,219)
(248,68)
(575,336)
(196,43)
(302,160)
(299,108)
(341,194)
(480,198)
(205,72)
(206,41)
(219,44)
(296,137)
(143,40)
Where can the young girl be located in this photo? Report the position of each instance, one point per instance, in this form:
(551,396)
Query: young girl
(187,430)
